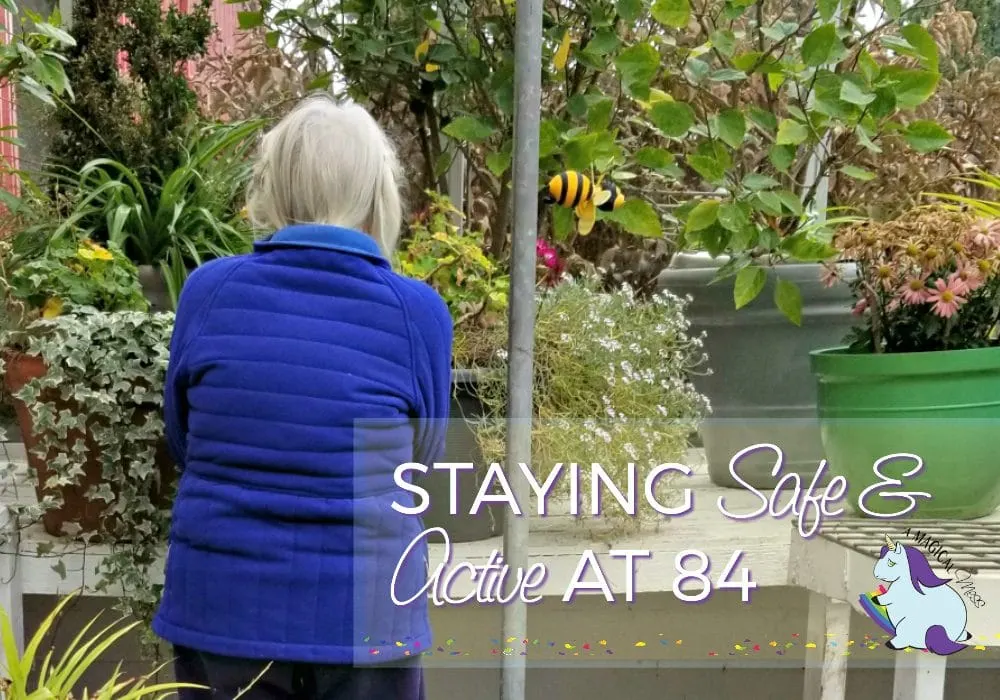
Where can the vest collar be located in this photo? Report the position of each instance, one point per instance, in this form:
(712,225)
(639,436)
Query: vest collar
(324,237)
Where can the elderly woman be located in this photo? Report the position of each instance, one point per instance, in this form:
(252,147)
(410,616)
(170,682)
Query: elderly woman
(301,375)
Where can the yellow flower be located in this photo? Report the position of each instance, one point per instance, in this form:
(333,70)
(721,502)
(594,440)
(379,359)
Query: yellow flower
(53,307)
(92,251)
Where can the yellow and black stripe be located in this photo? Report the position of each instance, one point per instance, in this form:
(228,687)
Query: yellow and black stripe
(615,200)
(569,188)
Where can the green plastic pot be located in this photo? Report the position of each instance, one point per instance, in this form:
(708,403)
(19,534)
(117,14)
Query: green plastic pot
(941,406)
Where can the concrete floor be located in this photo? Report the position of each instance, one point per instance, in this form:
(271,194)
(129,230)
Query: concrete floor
(657,649)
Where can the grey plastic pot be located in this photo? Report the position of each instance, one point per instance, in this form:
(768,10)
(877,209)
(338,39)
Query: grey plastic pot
(761,388)
(154,287)
(461,445)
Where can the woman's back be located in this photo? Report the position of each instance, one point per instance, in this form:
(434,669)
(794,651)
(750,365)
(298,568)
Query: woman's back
(309,371)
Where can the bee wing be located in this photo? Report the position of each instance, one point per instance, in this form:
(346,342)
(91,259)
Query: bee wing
(587,213)
(601,197)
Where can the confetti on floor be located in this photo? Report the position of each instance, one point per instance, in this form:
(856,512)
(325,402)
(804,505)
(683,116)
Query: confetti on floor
(588,649)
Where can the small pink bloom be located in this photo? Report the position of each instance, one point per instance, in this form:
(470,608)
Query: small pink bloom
(829,276)
(966,279)
(946,298)
(860,307)
(914,290)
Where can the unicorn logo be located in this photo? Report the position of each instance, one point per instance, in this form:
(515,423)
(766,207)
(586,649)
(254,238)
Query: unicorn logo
(916,607)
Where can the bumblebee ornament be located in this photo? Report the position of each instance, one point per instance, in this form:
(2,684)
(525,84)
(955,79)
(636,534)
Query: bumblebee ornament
(574,190)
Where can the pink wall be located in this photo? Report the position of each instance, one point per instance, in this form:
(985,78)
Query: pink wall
(227,28)
(8,118)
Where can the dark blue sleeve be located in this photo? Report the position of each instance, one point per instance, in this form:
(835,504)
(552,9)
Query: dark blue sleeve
(195,299)
(431,332)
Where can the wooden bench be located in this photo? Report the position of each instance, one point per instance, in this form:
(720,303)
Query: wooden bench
(836,566)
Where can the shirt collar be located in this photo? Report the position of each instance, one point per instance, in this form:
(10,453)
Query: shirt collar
(325,237)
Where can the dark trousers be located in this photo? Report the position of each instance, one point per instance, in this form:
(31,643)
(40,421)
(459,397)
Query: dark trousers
(228,677)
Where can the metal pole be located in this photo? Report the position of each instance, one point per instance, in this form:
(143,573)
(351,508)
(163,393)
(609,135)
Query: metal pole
(520,373)
(817,209)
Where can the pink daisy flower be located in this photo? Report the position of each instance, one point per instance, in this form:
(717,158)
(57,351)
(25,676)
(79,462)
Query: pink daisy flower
(829,276)
(860,307)
(914,290)
(946,298)
(966,279)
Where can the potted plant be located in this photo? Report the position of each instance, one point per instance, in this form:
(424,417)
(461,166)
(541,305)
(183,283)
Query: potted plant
(453,262)
(83,377)
(921,373)
(612,387)
(769,104)
(176,220)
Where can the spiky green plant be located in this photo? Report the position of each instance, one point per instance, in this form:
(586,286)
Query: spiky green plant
(56,679)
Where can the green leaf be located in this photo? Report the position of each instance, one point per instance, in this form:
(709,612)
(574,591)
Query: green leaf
(756,182)
(858,173)
(821,46)
(711,169)
(563,223)
(702,216)
(250,20)
(271,39)
(732,217)
(749,283)
(469,129)
(655,158)
(788,299)
(853,93)
(732,127)
(638,217)
(806,249)
(638,65)
(791,202)
(674,119)
(629,10)
(498,163)
(913,87)
(764,119)
(727,75)
(724,41)
(548,138)
(865,140)
(926,48)
(581,152)
(780,30)
(697,70)
(769,203)
(868,65)
(893,8)
(925,136)
(791,133)
(827,9)
(599,114)
(53,32)
(672,13)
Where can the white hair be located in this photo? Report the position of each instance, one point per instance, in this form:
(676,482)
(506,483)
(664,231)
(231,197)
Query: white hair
(328,163)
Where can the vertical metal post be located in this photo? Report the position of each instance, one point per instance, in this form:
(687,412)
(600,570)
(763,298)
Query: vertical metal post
(527,107)
(817,209)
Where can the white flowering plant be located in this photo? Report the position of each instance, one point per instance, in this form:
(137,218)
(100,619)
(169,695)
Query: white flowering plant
(611,386)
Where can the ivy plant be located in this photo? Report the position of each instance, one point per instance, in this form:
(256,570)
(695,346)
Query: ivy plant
(104,380)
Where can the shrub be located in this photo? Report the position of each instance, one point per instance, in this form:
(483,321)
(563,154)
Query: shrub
(611,386)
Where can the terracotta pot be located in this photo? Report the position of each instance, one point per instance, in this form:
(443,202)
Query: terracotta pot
(76,507)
